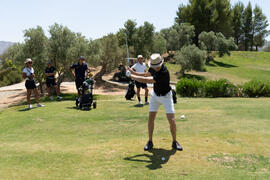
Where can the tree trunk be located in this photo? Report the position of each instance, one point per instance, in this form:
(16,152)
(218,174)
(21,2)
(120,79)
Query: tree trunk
(256,48)
(60,79)
(182,72)
(98,76)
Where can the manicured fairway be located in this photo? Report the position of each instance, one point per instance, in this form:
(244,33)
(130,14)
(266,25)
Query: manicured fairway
(222,139)
(238,68)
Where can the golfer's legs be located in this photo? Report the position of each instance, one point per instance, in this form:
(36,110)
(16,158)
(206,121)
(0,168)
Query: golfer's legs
(57,90)
(49,91)
(29,91)
(138,94)
(146,92)
(171,120)
(169,108)
(152,116)
(153,108)
(36,95)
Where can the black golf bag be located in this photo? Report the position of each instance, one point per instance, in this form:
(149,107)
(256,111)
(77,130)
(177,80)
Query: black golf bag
(86,98)
(130,91)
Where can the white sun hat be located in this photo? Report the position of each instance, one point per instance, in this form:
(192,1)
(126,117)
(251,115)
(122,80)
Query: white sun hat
(155,61)
(28,60)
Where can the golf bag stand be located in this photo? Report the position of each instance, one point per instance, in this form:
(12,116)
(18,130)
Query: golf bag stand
(130,91)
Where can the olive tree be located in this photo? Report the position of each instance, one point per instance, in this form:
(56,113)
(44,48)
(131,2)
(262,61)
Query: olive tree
(190,58)
(35,47)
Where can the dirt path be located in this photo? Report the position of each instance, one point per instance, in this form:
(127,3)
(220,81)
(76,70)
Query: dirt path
(15,94)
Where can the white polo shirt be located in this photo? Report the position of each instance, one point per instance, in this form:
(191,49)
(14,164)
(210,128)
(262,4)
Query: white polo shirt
(138,67)
(28,71)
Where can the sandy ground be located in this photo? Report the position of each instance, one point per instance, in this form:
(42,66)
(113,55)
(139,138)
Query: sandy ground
(16,94)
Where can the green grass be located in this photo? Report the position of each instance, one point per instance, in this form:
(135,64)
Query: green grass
(222,139)
(238,68)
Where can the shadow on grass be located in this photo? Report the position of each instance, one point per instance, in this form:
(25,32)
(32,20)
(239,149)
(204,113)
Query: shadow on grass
(221,64)
(155,158)
(138,105)
(26,109)
(192,76)
(73,107)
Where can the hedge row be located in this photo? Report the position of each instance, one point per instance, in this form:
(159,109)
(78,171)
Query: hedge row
(10,76)
(221,88)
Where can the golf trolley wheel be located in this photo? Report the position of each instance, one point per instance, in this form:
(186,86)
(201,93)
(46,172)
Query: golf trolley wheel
(95,104)
(80,106)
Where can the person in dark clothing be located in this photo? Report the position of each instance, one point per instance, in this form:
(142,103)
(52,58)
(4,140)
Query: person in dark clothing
(159,75)
(50,72)
(81,72)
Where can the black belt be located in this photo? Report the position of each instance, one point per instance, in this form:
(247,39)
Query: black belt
(161,94)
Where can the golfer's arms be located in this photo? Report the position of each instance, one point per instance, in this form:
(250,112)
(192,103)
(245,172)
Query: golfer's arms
(70,70)
(24,75)
(50,74)
(144,74)
(143,79)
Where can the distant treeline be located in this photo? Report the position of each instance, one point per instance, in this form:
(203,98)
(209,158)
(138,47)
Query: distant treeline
(247,25)
(200,27)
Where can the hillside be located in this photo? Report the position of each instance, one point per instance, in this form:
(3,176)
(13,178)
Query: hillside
(240,67)
(4,45)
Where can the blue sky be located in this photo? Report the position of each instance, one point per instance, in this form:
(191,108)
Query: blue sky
(93,19)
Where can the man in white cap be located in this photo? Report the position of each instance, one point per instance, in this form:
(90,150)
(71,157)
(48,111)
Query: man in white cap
(28,74)
(140,67)
(162,94)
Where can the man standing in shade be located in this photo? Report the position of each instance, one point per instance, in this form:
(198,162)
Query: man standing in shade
(140,67)
(81,72)
(50,72)
(161,95)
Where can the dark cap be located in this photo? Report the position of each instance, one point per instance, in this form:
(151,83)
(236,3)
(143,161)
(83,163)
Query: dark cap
(81,58)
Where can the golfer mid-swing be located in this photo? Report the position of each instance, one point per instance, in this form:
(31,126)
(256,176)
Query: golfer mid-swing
(162,94)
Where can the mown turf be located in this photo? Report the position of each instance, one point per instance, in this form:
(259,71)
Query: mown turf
(239,68)
(222,139)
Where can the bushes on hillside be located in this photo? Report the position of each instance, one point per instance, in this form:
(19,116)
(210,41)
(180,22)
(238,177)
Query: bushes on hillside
(9,74)
(221,88)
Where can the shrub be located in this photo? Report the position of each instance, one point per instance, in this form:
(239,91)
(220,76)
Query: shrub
(256,88)
(10,76)
(195,88)
(189,87)
(219,88)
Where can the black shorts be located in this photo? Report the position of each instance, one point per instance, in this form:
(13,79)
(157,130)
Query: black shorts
(79,82)
(140,85)
(30,84)
(50,83)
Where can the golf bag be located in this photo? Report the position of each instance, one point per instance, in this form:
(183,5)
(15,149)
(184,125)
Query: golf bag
(130,91)
(86,98)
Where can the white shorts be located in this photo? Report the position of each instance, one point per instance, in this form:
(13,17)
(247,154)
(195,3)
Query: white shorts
(156,101)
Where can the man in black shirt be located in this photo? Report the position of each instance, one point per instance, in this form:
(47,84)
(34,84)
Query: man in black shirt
(162,94)
(50,72)
(81,72)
